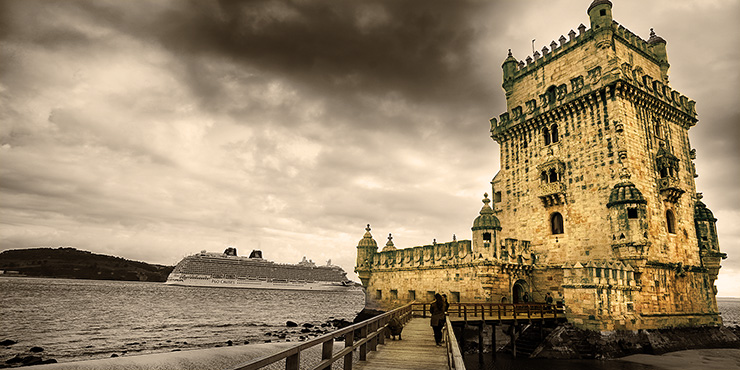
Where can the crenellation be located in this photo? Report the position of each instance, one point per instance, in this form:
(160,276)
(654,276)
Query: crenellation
(595,201)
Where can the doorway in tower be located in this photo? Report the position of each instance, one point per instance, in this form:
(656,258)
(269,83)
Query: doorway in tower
(518,291)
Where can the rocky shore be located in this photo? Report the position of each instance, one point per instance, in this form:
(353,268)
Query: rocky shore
(25,355)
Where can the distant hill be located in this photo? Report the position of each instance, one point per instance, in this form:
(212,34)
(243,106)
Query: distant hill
(65,262)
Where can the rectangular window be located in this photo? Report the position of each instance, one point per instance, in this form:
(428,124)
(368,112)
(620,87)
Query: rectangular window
(631,212)
(598,272)
(394,294)
(412,295)
(497,196)
(379,294)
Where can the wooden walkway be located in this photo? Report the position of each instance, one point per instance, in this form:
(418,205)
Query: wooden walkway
(416,351)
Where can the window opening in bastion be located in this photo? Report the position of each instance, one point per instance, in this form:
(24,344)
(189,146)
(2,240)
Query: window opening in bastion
(556,223)
(412,295)
(379,294)
(670,220)
(394,294)
(631,212)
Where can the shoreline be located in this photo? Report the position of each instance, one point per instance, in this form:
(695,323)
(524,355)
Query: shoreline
(699,359)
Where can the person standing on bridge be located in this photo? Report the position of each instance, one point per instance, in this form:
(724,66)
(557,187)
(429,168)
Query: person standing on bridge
(437,310)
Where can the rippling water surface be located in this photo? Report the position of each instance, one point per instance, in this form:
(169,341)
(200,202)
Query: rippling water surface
(83,319)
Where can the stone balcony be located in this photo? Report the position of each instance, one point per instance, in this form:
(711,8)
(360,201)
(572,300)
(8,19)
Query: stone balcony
(669,188)
(552,193)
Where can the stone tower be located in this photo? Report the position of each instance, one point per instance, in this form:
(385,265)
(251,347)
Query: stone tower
(366,248)
(597,172)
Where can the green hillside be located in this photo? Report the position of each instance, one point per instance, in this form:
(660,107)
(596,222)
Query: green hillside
(65,262)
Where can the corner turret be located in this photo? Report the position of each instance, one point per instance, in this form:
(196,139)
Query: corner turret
(485,228)
(657,46)
(366,248)
(509,67)
(628,219)
(600,14)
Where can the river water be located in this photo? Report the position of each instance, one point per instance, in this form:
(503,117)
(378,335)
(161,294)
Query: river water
(85,319)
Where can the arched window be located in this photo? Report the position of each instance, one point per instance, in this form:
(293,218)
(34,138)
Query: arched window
(543,176)
(556,223)
(486,237)
(546,135)
(554,131)
(553,175)
(670,220)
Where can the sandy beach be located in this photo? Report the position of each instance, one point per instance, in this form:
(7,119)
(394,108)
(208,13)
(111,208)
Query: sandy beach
(700,359)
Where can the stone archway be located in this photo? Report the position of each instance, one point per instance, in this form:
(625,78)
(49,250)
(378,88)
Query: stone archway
(518,290)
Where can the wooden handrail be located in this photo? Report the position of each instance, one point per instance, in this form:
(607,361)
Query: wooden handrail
(454,355)
(372,333)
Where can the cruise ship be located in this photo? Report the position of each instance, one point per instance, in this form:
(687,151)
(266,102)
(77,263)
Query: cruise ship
(226,269)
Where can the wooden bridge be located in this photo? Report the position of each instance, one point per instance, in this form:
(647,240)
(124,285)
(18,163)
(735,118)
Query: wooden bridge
(365,345)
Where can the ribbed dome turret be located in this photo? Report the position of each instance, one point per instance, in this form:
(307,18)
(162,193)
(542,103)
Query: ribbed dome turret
(367,240)
(654,39)
(598,2)
(625,192)
(389,245)
(486,219)
(702,213)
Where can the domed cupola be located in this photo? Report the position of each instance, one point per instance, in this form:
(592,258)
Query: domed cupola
(625,192)
(654,39)
(702,213)
(486,219)
(485,228)
(389,245)
(366,250)
(367,240)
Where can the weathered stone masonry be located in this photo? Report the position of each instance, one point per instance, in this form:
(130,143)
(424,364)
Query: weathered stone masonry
(595,201)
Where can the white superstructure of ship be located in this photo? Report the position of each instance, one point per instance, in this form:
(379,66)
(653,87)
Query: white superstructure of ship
(226,269)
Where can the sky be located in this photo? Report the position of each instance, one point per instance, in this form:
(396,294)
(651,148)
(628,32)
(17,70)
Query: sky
(152,130)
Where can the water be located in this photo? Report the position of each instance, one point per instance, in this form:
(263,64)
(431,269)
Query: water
(86,319)
(729,308)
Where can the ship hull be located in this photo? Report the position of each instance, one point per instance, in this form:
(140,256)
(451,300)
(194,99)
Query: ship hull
(207,281)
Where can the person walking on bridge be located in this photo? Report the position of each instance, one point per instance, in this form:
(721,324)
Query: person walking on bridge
(437,310)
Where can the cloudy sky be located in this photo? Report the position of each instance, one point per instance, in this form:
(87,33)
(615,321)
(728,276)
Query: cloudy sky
(152,130)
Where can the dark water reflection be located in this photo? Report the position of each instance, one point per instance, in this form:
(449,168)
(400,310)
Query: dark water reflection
(505,361)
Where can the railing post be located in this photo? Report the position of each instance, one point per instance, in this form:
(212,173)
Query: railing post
(363,346)
(499,313)
(465,314)
(327,350)
(373,329)
(349,340)
(383,330)
(293,362)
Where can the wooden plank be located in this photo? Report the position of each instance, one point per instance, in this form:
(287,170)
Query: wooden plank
(416,351)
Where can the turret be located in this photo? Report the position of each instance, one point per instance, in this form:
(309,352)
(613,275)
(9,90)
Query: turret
(485,228)
(657,46)
(389,246)
(706,234)
(509,68)
(600,13)
(628,220)
(366,248)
